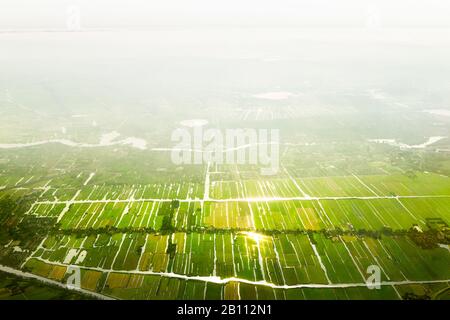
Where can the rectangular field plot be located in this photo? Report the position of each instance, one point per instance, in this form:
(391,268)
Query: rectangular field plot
(281,259)
(144,287)
(428,208)
(286,215)
(104,252)
(264,215)
(347,258)
(367,214)
(251,239)
(184,190)
(342,186)
(346,186)
(226,190)
(295,260)
(139,265)
(227,215)
(57,194)
(400,259)
(187,215)
(47,210)
(358,186)
(402,185)
(272,188)
(121,215)
(346,214)
(352,214)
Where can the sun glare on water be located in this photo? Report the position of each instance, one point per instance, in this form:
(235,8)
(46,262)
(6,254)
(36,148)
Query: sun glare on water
(254,236)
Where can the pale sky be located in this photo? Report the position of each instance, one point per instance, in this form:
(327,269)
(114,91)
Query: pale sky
(135,13)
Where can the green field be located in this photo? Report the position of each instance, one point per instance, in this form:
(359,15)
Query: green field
(280,238)
(97,181)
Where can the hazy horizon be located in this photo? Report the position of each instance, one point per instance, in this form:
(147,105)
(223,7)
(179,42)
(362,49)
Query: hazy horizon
(139,13)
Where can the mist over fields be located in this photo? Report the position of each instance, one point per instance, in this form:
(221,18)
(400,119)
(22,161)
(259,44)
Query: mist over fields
(363,77)
(148,65)
(355,176)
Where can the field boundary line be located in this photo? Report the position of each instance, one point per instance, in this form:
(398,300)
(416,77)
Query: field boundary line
(256,199)
(219,280)
(23,274)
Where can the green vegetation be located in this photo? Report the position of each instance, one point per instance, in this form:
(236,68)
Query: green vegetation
(17,288)
(130,239)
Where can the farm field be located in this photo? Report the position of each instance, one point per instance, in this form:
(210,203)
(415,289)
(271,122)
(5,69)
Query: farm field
(257,158)
(137,266)
(282,238)
(17,288)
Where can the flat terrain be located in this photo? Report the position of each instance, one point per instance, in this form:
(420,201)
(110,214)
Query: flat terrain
(87,179)
(289,236)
